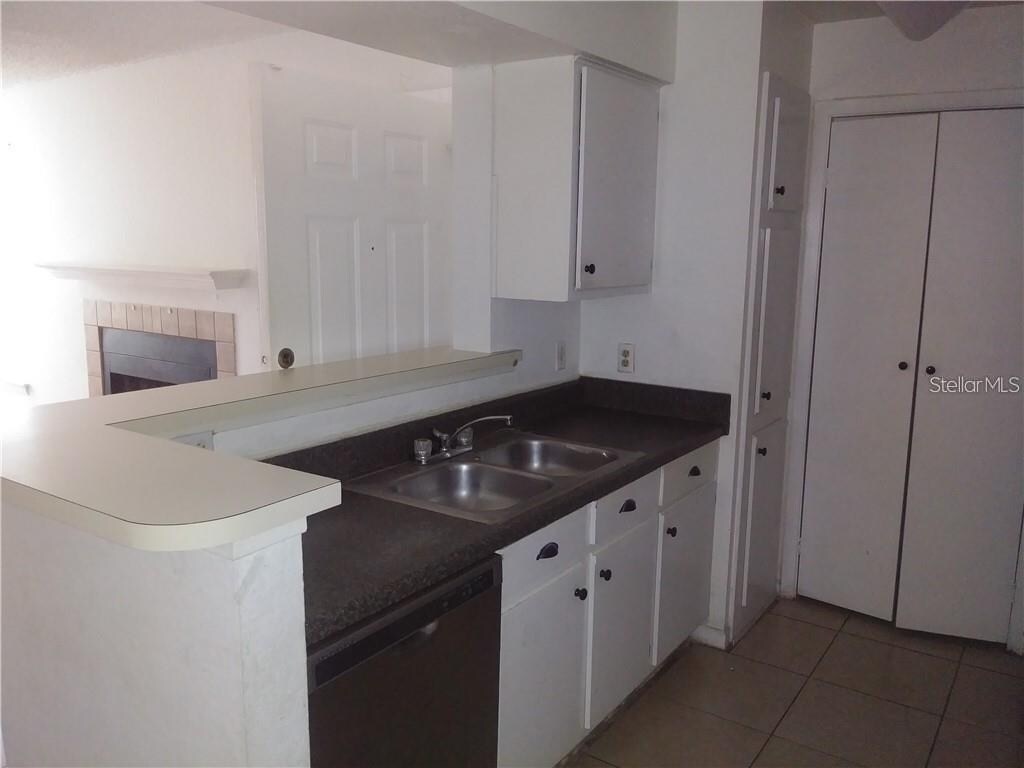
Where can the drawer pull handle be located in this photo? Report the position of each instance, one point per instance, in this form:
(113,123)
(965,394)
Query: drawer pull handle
(606,574)
(671,531)
(763,451)
(694,471)
(581,593)
(548,551)
(629,505)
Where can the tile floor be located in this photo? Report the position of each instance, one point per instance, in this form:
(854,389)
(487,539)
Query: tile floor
(813,685)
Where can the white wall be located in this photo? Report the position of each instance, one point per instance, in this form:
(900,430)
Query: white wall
(688,331)
(149,163)
(638,35)
(980,49)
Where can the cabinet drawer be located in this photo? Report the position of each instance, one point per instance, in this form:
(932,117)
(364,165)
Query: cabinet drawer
(542,556)
(687,473)
(625,508)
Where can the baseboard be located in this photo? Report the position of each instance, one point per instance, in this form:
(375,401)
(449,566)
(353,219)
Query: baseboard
(707,635)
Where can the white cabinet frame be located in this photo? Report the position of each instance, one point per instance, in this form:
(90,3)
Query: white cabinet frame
(824,113)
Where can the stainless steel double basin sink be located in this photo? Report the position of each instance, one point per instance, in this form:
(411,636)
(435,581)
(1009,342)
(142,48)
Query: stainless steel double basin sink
(496,483)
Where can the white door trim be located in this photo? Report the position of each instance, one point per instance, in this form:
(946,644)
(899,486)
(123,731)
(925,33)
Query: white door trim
(822,115)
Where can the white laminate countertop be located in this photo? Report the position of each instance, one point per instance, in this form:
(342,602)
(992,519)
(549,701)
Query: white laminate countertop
(105,465)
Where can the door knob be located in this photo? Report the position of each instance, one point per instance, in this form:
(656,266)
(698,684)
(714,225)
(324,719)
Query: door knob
(930,370)
(780,190)
(903,365)
(285,358)
(606,574)
(766,395)
(590,269)
(671,531)
(581,593)
(763,451)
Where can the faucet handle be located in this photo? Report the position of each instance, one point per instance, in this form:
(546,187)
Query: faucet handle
(465,437)
(422,447)
(442,436)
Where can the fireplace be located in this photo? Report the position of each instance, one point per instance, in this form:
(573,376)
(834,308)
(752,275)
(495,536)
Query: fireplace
(138,346)
(134,360)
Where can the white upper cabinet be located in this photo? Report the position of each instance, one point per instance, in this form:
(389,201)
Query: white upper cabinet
(575,165)
(787,122)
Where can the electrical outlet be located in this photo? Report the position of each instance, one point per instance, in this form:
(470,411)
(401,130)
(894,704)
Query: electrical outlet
(560,355)
(627,361)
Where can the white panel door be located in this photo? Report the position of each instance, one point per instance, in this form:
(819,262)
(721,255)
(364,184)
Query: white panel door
(965,489)
(620,619)
(683,575)
(757,574)
(618,173)
(874,241)
(358,207)
(540,701)
(774,316)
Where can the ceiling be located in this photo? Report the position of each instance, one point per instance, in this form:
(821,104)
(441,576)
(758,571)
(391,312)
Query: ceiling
(43,40)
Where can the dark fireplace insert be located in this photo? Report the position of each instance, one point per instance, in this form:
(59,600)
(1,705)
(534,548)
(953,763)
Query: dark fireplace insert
(134,360)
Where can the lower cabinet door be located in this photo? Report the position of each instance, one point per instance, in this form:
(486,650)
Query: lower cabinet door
(540,704)
(620,618)
(682,588)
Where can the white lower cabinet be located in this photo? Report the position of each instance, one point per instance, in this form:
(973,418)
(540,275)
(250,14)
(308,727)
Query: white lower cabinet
(682,587)
(619,620)
(540,703)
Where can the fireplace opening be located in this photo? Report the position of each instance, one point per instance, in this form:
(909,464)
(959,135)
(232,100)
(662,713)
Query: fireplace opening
(135,360)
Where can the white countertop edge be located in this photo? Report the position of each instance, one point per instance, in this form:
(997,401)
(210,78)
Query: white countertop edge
(210,534)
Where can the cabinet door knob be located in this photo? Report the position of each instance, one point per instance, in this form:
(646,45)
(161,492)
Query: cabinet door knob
(285,358)
(548,551)
(763,451)
(629,505)
(903,365)
(780,190)
(671,531)
(930,370)
(590,269)
(694,471)
(766,395)
(581,593)
(606,574)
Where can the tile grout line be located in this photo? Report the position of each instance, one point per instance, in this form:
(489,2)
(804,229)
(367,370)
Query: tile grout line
(797,696)
(945,707)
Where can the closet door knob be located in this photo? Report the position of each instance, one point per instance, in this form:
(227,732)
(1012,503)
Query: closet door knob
(780,190)
(606,574)
(903,365)
(766,395)
(930,370)
(763,451)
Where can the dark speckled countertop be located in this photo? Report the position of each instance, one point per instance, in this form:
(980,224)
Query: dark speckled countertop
(369,554)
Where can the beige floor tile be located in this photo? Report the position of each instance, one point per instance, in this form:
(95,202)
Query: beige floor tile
(922,642)
(782,753)
(960,745)
(744,691)
(786,643)
(804,609)
(988,699)
(857,727)
(656,732)
(994,657)
(892,673)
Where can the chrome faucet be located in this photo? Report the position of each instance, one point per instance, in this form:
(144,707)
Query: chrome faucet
(458,442)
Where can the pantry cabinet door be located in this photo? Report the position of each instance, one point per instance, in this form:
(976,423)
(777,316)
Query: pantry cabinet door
(789,118)
(617,180)
(683,582)
(540,707)
(774,316)
(965,489)
(620,620)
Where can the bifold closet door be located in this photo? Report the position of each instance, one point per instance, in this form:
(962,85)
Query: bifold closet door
(874,243)
(966,484)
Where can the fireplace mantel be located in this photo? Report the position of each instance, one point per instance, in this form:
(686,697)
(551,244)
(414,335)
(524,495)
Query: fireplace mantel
(164,277)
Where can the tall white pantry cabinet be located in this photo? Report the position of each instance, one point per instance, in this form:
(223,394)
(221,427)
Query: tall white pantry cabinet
(914,485)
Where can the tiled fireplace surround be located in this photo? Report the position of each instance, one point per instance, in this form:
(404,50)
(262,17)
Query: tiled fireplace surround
(170,321)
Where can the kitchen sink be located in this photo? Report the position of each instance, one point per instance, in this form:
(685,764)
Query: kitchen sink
(545,456)
(471,486)
(494,484)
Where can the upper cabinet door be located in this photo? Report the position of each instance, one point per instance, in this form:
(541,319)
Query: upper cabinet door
(617,180)
(789,112)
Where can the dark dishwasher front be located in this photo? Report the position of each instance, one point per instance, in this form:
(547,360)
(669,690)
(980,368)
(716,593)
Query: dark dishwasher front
(417,686)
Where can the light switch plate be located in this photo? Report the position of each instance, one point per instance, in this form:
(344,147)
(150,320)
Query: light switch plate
(627,355)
